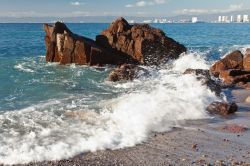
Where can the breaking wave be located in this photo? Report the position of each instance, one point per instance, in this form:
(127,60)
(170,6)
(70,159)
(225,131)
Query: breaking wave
(63,127)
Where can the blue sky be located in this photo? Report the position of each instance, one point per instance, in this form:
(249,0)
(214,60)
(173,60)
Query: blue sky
(68,8)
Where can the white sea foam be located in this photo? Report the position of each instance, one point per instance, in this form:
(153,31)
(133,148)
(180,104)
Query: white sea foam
(191,60)
(56,129)
(21,67)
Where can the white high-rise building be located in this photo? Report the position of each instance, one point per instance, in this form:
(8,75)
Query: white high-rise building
(219,19)
(194,19)
(224,19)
(245,18)
(239,19)
(232,19)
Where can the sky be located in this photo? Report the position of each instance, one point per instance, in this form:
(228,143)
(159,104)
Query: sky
(73,8)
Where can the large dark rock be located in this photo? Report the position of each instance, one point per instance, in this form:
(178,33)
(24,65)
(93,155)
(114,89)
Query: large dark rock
(146,45)
(65,47)
(222,108)
(120,44)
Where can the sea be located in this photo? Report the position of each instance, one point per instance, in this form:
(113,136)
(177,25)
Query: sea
(51,112)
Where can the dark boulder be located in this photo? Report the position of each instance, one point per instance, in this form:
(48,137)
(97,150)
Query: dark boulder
(146,45)
(222,108)
(126,72)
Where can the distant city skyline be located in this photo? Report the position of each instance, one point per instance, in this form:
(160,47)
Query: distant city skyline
(145,8)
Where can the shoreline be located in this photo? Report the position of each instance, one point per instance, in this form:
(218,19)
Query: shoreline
(199,143)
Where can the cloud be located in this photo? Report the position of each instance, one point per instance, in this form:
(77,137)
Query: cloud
(76,3)
(231,8)
(143,3)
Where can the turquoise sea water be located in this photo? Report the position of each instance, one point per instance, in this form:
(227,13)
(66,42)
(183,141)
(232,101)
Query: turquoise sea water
(49,111)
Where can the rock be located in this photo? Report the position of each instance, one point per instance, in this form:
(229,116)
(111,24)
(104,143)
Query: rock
(231,69)
(234,128)
(222,108)
(246,60)
(65,47)
(204,76)
(126,72)
(146,45)
(120,44)
(233,60)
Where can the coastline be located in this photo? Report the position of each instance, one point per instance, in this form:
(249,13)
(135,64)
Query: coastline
(199,143)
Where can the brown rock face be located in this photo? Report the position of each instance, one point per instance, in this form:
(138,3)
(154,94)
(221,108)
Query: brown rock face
(146,45)
(120,44)
(233,69)
(232,61)
(65,47)
(246,60)
(222,108)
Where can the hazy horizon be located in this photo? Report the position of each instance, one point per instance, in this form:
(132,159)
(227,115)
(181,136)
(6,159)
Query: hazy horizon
(91,11)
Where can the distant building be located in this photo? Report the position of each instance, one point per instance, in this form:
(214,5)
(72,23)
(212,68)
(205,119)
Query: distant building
(219,19)
(223,18)
(194,19)
(245,18)
(232,19)
(239,19)
(147,21)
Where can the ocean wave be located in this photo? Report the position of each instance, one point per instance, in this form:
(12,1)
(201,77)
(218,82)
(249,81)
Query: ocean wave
(58,129)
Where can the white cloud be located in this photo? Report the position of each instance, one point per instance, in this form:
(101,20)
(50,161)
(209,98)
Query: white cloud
(231,8)
(76,3)
(143,3)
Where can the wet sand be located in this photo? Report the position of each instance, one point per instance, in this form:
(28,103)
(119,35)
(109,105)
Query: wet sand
(200,143)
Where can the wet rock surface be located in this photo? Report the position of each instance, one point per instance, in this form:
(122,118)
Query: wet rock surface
(222,108)
(126,72)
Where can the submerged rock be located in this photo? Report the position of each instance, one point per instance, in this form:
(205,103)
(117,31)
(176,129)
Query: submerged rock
(146,45)
(126,72)
(120,44)
(222,108)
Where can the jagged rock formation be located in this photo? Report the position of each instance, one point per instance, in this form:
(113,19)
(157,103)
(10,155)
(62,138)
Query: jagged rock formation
(147,45)
(120,44)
